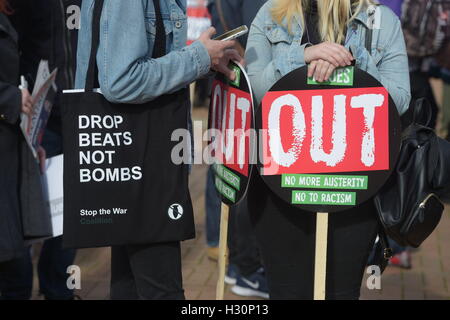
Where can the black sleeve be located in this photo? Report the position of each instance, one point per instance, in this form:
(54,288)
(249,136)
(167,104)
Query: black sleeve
(10,103)
(32,21)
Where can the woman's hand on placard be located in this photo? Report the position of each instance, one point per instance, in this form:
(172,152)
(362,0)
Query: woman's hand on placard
(320,70)
(334,53)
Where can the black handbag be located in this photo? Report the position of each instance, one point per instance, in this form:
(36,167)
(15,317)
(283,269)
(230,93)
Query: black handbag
(410,204)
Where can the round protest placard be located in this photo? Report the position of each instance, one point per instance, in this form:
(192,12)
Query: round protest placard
(327,147)
(231,123)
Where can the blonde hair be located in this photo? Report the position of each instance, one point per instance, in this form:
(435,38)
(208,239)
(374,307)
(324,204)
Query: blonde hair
(334,15)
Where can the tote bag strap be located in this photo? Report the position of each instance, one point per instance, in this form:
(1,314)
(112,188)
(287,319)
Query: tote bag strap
(159,48)
(92,68)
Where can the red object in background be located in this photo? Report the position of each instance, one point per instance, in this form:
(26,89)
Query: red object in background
(238,105)
(298,156)
(199,19)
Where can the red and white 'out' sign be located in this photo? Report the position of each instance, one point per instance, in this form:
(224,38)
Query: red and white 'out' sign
(231,122)
(327,147)
(304,137)
(231,115)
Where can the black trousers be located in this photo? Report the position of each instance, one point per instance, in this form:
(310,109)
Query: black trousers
(242,244)
(287,240)
(147,272)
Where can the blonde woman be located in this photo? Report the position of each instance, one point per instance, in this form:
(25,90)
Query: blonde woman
(324,34)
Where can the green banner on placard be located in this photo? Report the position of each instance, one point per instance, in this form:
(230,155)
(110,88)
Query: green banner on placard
(237,71)
(225,190)
(229,177)
(324,198)
(317,181)
(340,77)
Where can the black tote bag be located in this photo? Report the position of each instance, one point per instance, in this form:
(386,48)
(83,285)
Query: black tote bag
(120,183)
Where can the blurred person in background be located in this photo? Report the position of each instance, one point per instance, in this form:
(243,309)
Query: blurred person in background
(422,66)
(245,271)
(13,101)
(44,34)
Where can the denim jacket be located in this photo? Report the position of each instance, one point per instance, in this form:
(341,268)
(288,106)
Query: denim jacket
(272,52)
(127,72)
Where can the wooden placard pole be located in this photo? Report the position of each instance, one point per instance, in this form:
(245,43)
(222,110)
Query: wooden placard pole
(222,261)
(320,264)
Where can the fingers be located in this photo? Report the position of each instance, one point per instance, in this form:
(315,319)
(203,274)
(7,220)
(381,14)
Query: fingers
(226,71)
(42,156)
(336,54)
(27,102)
(343,51)
(329,72)
(321,69)
(234,55)
(224,45)
(209,33)
(312,68)
(27,109)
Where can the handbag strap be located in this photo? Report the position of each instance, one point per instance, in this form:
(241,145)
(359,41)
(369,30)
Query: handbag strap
(422,106)
(222,16)
(92,72)
(159,48)
(368,41)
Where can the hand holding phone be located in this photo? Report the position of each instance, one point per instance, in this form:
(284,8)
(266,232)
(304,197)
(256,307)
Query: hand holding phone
(220,53)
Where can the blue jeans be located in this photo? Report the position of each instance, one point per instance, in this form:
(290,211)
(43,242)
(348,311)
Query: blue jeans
(213,206)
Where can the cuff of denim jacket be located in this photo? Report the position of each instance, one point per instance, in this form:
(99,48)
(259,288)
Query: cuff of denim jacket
(202,58)
(296,54)
(295,58)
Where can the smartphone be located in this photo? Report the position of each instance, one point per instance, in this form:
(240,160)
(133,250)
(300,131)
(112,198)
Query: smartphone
(233,34)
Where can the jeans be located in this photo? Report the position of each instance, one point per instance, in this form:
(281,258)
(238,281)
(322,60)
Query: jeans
(213,207)
(244,252)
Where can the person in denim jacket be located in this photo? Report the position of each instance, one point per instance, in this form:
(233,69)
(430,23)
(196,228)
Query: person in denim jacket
(273,51)
(129,74)
(325,35)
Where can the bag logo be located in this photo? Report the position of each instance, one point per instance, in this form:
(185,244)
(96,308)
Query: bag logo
(175,211)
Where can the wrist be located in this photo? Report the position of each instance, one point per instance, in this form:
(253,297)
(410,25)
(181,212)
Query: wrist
(307,53)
